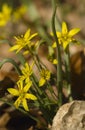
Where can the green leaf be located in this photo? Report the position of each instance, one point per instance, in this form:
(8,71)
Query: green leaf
(12,62)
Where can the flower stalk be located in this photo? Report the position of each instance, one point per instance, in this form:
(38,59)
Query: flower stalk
(59,65)
(68,73)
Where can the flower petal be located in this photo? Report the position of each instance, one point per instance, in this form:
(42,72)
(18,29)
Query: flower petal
(64,28)
(73,32)
(20,84)
(27,34)
(13,91)
(26,52)
(54,45)
(42,82)
(33,35)
(58,34)
(27,86)
(15,47)
(30,96)
(24,103)
(65,44)
(17,102)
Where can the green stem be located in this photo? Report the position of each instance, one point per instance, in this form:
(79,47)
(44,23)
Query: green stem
(59,65)
(42,102)
(21,58)
(68,73)
(35,82)
(40,93)
(37,62)
(35,58)
(54,96)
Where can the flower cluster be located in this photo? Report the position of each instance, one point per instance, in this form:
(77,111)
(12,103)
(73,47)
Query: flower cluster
(26,43)
(8,14)
(38,86)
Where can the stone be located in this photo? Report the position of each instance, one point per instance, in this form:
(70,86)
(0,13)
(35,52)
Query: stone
(70,116)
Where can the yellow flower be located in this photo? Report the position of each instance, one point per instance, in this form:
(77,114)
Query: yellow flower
(55,62)
(65,37)
(26,72)
(22,94)
(54,45)
(5,15)
(52,59)
(45,76)
(23,41)
(19,12)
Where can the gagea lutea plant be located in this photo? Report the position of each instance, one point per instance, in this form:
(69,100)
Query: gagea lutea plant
(30,90)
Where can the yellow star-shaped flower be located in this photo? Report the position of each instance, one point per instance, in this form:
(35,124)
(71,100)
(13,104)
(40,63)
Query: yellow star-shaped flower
(23,41)
(26,72)
(22,93)
(65,37)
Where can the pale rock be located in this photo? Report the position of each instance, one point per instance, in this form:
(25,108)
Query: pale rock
(70,116)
